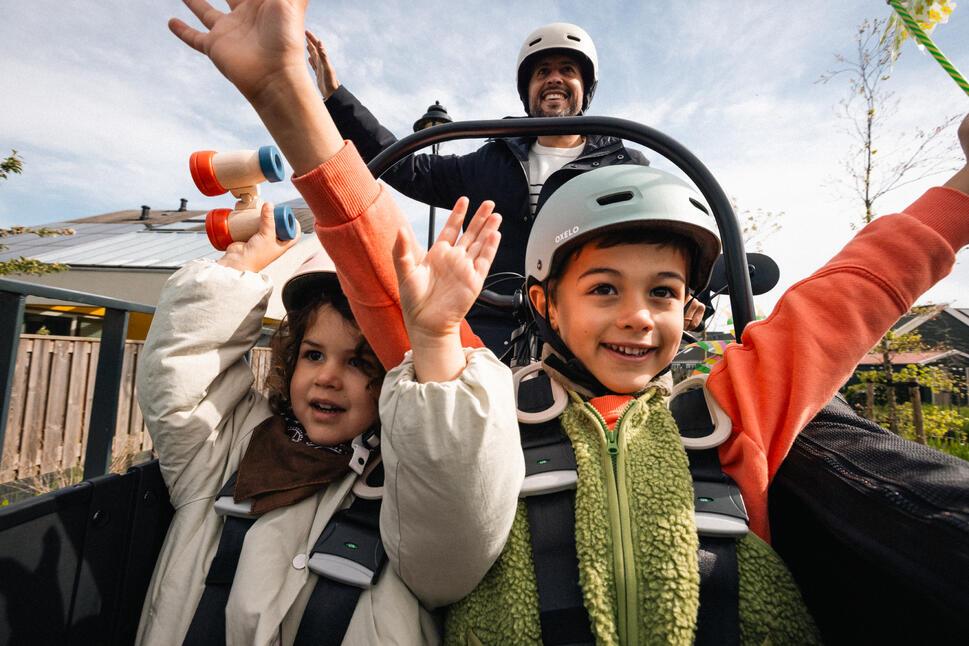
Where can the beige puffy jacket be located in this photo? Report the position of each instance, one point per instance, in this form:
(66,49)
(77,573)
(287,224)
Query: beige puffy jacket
(453,469)
(195,390)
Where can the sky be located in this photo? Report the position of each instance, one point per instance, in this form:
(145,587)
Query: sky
(105,106)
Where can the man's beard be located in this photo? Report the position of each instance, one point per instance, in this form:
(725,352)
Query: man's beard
(570,108)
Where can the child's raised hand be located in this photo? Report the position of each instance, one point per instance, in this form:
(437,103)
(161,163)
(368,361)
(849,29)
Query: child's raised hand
(438,288)
(255,44)
(261,249)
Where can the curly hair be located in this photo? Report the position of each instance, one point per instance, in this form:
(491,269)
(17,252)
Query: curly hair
(285,349)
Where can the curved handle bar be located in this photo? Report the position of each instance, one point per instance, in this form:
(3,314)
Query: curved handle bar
(741,298)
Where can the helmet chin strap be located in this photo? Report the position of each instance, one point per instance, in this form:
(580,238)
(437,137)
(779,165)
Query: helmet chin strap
(564,360)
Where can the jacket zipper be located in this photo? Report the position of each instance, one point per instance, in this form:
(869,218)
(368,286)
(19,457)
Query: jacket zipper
(624,565)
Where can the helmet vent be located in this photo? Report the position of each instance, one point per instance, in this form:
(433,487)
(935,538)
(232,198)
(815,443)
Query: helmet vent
(615,198)
(699,205)
(575,38)
(535,42)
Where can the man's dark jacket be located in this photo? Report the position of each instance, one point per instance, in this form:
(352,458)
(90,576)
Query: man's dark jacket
(497,171)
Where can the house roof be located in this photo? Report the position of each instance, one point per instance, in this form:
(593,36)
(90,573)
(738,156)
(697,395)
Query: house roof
(909,322)
(164,240)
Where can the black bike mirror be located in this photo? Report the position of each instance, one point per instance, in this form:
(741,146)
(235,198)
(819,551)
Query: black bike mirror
(764,274)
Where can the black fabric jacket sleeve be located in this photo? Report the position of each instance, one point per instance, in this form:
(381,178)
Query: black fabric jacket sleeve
(438,180)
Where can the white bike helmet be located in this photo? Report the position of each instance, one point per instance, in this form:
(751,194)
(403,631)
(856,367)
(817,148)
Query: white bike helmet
(572,40)
(621,197)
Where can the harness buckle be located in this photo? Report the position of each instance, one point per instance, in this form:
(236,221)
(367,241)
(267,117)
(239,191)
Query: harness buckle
(225,504)
(363,445)
(719,509)
(348,552)
(549,467)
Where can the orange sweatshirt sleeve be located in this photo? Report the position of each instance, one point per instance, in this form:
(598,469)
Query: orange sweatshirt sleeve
(357,221)
(791,364)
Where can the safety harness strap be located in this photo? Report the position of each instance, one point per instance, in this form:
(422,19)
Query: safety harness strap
(551,517)
(208,623)
(721,520)
(718,621)
(347,557)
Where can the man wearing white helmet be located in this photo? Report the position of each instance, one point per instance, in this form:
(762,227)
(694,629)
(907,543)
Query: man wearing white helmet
(557,75)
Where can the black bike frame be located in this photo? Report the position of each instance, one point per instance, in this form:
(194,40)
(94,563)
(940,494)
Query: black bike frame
(738,280)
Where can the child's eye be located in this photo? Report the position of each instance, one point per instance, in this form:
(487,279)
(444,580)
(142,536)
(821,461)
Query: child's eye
(604,289)
(360,364)
(313,355)
(663,292)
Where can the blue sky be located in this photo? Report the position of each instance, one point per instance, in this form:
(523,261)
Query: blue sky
(105,105)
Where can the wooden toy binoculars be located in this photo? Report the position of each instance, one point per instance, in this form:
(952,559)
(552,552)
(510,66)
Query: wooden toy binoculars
(240,172)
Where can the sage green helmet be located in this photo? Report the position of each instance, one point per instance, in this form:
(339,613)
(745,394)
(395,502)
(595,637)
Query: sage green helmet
(619,197)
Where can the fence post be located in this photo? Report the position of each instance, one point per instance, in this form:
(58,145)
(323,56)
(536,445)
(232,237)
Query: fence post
(11,321)
(104,408)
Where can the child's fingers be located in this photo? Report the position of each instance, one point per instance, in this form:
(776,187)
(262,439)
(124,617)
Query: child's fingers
(267,222)
(484,236)
(487,254)
(404,261)
(477,223)
(205,12)
(452,228)
(191,37)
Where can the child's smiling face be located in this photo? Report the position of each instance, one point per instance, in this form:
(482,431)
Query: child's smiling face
(330,391)
(620,310)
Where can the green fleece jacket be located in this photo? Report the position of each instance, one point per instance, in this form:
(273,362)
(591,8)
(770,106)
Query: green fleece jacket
(637,548)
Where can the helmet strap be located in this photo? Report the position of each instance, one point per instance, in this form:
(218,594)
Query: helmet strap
(563,360)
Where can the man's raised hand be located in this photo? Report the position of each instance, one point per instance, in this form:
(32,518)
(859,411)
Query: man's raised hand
(326,78)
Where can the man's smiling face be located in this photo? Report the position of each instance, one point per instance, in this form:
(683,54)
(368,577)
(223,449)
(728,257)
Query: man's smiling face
(555,88)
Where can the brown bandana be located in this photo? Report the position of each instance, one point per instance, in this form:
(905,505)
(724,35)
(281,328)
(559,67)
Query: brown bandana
(277,470)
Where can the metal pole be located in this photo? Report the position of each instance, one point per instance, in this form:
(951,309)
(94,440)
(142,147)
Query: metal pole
(104,407)
(430,217)
(11,320)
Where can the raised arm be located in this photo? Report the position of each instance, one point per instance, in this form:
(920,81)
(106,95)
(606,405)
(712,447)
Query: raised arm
(452,455)
(791,364)
(258,46)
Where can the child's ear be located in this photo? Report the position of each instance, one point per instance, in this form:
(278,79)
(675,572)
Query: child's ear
(536,294)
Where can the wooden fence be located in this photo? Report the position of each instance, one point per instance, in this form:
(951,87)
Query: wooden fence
(50,405)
